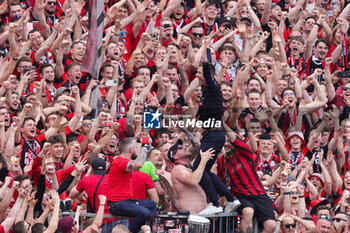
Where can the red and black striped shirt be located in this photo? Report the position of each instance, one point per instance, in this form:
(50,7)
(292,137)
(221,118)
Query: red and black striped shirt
(241,168)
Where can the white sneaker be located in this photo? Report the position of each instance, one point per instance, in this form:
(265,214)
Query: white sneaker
(210,209)
(232,206)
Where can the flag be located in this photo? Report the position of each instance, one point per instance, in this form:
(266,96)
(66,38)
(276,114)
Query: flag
(92,60)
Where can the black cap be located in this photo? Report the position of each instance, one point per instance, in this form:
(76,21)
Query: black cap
(228,19)
(98,166)
(246,18)
(216,3)
(172,150)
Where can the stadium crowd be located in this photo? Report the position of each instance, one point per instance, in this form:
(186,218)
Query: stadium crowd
(272,75)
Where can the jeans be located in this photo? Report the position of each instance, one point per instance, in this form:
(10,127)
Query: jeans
(140,211)
(211,183)
(108,227)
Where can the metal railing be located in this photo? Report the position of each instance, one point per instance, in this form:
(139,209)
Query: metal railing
(219,223)
(222,223)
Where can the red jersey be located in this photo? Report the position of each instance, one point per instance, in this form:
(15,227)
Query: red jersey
(241,170)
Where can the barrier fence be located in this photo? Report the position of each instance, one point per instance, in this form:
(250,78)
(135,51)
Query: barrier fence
(219,223)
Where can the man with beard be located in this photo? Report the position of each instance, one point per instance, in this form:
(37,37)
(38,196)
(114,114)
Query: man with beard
(47,72)
(49,9)
(190,196)
(114,53)
(120,191)
(226,89)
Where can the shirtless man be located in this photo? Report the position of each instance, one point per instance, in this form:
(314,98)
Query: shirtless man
(190,195)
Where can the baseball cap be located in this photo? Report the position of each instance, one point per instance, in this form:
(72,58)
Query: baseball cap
(246,18)
(60,91)
(215,3)
(65,224)
(228,19)
(172,150)
(319,176)
(98,166)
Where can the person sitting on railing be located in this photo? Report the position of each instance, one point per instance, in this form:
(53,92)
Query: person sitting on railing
(246,184)
(120,191)
(190,195)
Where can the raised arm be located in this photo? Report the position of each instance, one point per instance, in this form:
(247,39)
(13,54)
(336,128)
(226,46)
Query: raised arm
(267,12)
(193,178)
(55,215)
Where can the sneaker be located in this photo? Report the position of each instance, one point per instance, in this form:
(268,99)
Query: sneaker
(210,209)
(232,206)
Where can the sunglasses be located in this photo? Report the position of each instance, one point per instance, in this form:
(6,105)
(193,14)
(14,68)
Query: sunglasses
(289,226)
(288,94)
(197,35)
(325,217)
(293,192)
(339,220)
(346,88)
(52,3)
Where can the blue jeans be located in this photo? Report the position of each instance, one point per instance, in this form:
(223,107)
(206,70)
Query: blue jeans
(108,227)
(140,211)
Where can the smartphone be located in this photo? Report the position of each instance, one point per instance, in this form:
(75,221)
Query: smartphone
(166,26)
(228,26)
(111,83)
(209,56)
(329,13)
(25,70)
(344,74)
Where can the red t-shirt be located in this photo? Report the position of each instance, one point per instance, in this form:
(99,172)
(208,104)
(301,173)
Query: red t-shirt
(89,184)
(119,184)
(140,183)
(2,230)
